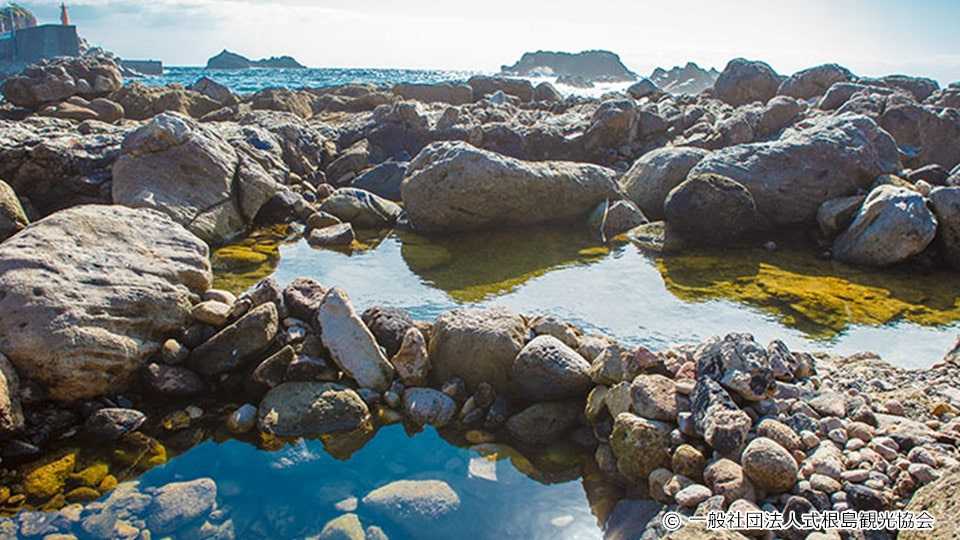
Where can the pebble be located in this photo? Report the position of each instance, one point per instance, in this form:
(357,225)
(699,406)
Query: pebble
(810,439)
(173,352)
(824,483)
(692,495)
(922,473)
(894,407)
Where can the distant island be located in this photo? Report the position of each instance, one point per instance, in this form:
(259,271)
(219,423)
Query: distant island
(688,79)
(594,66)
(231,60)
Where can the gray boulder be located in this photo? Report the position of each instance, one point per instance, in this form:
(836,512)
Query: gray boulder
(12,217)
(138,266)
(310,409)
(813,82)
(718,419)
(547,369)
(383,180)
(189,172)
(238,343)
(792,176)
(484,86)
(893,225)
(416,506)
(656,173)
(453,186)
(477,345)
(59,78)
(110,424)
(426,406)
(738,363)
(361,208)
(945,203)
(547,92)
(711,209)
(835,215)
(544,423)
(351,344)
(215,91)
(453,94)
(745,81)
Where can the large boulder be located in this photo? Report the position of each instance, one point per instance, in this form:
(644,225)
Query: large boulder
(142,102)
(927,132)
(651,177)
(893,225)
(455,186)
(351,344)
(711,209)
(945,203)
(12,217)
(238,343)
(547,369)
(215,91)
(89,293)
(939,499)
(57,164)
(11,412)
(484,86)
(640,445)
(477,345)
(792,176)
(745,81)
(310,409)
(383,180)
(814,81)
(60,78)
(187,171)
(299,103)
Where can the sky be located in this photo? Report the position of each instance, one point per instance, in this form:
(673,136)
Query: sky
(871,37)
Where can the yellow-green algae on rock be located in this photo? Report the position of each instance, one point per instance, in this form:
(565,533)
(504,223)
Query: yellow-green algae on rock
(820,298)
(240,265)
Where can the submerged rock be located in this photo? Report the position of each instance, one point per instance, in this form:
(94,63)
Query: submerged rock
(179,503)
(345,527)
(111,423)
(415,505)
(351,344)
(893,225)
(137,265)
(309,409)
(452,186)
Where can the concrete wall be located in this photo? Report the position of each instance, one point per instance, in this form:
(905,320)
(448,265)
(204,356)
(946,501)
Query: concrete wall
(45,41)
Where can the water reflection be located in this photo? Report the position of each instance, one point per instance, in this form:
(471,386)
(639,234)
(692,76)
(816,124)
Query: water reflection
(908,317)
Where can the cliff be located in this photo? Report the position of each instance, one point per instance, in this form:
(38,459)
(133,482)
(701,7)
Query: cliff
(231,60)
(588,65)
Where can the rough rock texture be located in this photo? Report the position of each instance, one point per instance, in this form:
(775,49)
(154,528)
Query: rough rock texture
(543,423)
(893,225)
(424,406)
(60,78)
(745,81)
(309,409)
(716,417)
(477,345)
(142,102)
(12,217)
(711,209)
(769,465)
(389,325)
(640,445)
(835,215)
(237,343)
(11,412)
(412,362)
(351,344)
(814,81)
(361,208)
(739,364)
(177,504)
(89,293)
(945,203)
(383,180)
(791,177)
(189,172)
(454,186)
(547,369)
(942,500)
(656,173)
(453,94)
(412,504)
(484,86)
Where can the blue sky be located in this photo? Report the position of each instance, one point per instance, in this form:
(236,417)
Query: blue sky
(871,37)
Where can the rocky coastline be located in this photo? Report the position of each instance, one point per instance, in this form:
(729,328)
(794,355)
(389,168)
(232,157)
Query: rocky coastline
(113,196)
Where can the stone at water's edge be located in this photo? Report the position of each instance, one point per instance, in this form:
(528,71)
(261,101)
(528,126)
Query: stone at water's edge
(305,409)
(710,209)
(656,173)
(350,343)
(89,293)
(237,343)
(792,176)
(190,172)
(893,225)
(640,445)
(477,345)
(547,369)
(453,186)
(179,503)
(945,203)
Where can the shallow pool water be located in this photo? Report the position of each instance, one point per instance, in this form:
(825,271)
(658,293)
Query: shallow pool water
(910,317)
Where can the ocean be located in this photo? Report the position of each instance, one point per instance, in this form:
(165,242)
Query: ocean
(252,80)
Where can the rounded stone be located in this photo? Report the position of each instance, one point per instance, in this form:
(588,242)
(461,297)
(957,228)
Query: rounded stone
(548,369)
(769,466)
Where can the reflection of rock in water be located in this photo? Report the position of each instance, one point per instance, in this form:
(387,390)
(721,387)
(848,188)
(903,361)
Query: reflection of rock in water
(473,267)
(820,298)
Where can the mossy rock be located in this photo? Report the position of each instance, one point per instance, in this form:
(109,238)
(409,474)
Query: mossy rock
(90,476)
(4,494)
(49,476)
(176,420)
(56,502)
(139,451)
(108,483)
(82,494)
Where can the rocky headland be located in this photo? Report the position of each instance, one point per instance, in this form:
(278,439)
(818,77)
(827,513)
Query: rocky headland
(231,60)
(114,195)
(589,66)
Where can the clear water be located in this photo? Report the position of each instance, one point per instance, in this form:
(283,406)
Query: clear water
(909,318)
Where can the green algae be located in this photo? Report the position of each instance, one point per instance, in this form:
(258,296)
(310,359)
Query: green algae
(820,298)
(238,266)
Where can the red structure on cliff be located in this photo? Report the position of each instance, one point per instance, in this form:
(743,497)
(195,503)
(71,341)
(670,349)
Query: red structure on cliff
(64,16)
